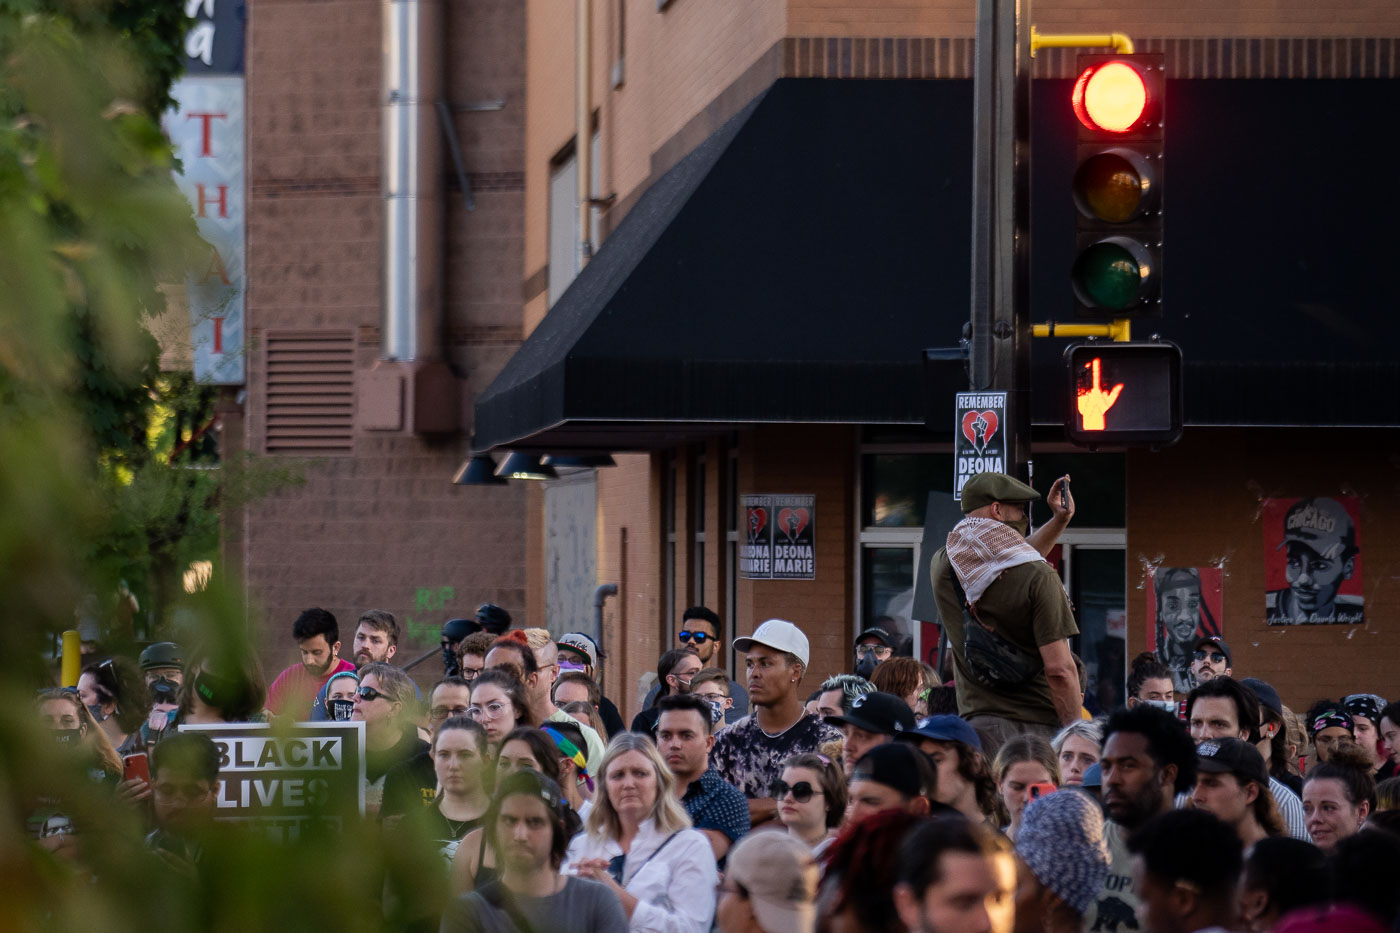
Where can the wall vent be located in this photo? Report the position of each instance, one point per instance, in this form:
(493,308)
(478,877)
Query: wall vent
(310,392)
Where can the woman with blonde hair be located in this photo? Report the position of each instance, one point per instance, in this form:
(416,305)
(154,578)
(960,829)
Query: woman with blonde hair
(1021,763)
(638,842)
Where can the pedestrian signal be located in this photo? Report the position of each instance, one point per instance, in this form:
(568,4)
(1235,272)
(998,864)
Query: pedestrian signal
(1123,394)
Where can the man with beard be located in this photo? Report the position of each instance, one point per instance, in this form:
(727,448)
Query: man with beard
(1006,613)
(1210,658)
(701,634)
(1148,758)
(184,794)
(318,639)
(1320,541)
(527,828)
(376,637)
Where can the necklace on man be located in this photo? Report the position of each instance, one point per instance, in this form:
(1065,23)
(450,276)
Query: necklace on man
(781,732)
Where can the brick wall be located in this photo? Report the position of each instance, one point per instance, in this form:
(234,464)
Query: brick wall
(382,527)
(1198,503)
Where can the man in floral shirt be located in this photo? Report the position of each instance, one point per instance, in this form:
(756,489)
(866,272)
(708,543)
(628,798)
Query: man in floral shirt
(750,753)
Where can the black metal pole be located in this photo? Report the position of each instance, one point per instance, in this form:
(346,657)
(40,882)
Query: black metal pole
(1000,314)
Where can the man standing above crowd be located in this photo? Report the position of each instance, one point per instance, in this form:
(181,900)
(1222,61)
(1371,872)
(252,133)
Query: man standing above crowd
(1223,707)
(1006,613)
(750,753)
(684,738)
(701,633)
(318,639)
(1148,758)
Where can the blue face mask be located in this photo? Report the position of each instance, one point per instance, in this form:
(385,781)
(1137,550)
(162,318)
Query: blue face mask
(716,711)
(1167,705)
(96,710)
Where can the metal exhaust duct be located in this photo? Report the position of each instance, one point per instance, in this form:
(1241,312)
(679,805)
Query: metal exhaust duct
(412,181)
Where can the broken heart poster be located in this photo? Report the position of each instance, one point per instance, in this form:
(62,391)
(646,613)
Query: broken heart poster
(779,540)
(979,441)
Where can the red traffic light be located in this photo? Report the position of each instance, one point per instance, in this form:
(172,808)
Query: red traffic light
(1111,96)
(1123,394)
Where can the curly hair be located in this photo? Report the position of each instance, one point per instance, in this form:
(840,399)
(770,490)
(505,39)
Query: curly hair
(1168,742)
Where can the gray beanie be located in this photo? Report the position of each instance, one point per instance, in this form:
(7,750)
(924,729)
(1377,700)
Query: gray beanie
(1061,840)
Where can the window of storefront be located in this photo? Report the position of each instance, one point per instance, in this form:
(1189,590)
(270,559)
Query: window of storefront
(895,481)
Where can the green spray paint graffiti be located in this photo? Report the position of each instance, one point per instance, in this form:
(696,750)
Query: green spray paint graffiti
(427,599)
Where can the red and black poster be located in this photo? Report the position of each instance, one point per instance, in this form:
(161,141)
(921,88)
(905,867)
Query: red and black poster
(778,537)
(1183,605)
(1312,561)
(979,441)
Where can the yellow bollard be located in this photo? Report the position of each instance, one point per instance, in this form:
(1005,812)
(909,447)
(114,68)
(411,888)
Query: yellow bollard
(72,659)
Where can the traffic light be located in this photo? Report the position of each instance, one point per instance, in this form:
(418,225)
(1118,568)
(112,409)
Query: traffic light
(1123,394)
(1119,103)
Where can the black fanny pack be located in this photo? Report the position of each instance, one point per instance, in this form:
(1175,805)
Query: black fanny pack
(991,659)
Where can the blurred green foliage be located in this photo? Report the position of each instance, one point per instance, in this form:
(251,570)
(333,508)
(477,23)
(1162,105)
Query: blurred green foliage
(104,476)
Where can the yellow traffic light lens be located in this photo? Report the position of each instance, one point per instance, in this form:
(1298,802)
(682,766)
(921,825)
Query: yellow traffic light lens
(1110,97)
(1109,187)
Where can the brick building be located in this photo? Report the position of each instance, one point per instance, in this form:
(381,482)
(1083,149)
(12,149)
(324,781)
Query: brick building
(377,522)
(779,202)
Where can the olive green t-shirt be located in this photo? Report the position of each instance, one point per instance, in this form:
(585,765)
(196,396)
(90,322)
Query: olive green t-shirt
(1028,607)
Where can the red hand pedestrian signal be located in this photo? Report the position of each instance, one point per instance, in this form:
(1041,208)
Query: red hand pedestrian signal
(1094,402)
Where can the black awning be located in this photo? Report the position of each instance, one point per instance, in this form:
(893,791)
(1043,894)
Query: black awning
(794,266)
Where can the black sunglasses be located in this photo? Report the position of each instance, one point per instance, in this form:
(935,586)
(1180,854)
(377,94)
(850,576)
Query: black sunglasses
(369,694)
(1215,656)
(698,637)
(802,791)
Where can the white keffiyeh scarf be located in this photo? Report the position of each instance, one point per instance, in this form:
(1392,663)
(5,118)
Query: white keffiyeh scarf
(980,549)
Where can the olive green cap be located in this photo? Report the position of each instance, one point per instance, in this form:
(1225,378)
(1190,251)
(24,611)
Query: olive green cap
(986,488)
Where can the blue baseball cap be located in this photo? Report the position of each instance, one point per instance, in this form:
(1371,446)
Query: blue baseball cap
(944,728)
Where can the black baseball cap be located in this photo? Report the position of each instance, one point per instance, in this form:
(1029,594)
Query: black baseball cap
(876,632)
(1265,693)
(1215,641)
(1232,756)
(900,766)
(884,713)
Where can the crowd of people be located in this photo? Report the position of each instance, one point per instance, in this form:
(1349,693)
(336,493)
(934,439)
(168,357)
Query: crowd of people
(879,800)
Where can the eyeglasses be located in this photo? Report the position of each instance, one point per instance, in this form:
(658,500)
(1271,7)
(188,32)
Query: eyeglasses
(802,791)
(1200,654)
(470,673)
(711,697)
(881,652)
(369,694)
(490,711)
(439,713)
(698,637)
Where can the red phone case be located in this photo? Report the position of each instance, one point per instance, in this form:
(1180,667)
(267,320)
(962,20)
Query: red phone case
(1042,789)
(136,766)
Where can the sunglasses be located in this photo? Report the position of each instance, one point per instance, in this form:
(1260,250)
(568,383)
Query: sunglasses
(369,694)
(1200,654)
(802,791)
(880,651)
(439,713)
(698,637)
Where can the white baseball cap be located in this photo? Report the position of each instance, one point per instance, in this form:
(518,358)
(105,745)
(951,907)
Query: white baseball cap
(780,635)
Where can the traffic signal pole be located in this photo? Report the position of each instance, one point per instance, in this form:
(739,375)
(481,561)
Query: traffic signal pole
(1000,314)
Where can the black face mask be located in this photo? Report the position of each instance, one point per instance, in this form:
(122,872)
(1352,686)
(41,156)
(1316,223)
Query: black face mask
(163,690)
(340,710)
(451,667)
(67,738)
(865,667)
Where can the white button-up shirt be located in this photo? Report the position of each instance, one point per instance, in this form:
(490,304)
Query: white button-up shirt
(674,887)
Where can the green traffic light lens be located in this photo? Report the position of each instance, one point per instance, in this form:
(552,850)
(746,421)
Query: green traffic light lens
(1110,188)
(1109,276)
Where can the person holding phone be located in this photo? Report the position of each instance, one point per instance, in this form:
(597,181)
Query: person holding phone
(1008,618)
(1025,769)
